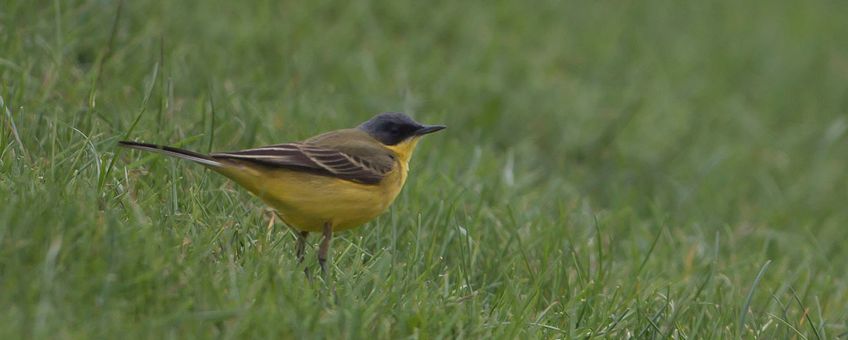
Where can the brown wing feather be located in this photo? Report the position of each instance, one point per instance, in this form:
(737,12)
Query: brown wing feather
(316,159)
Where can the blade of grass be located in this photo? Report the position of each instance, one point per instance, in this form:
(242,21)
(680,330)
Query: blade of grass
(806,314)
(147,94)
(212,119)
(14,129)
(747,305)
(779,319)
(105,54)
(650,251)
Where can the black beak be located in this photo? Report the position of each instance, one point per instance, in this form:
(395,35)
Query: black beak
(427,129)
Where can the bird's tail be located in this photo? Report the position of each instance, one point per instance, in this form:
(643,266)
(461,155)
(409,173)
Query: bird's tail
(173,152)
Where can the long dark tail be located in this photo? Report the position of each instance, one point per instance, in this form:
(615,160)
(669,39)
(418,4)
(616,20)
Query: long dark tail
(173,152)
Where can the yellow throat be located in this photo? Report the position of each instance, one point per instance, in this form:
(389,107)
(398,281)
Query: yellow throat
(404,150)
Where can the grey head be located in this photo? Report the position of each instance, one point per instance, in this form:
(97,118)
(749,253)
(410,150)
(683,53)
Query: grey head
(391,128)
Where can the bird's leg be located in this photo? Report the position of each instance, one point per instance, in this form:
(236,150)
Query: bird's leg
(325,247)
(300,248)
(301,245)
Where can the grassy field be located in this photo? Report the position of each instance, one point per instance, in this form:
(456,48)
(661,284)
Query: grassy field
(642,169)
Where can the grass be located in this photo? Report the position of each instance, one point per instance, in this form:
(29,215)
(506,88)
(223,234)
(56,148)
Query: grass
(643,169)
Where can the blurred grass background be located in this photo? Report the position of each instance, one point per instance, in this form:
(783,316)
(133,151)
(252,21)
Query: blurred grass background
(617,169)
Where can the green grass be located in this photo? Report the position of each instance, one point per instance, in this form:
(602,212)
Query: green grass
(611,169)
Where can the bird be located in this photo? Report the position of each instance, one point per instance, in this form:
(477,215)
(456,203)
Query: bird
(328,183)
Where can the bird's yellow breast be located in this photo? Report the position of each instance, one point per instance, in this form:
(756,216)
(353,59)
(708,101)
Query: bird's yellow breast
(307,201)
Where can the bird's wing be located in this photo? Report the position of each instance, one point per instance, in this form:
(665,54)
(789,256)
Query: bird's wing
(362,165)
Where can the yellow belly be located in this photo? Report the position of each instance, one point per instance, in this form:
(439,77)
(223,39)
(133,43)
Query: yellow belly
(306,201)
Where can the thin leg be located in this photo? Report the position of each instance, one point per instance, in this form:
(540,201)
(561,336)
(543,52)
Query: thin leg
(325,247)
(301,245)
(300,249)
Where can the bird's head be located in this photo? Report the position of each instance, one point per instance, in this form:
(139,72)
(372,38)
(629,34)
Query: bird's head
(397,131)
(392,128)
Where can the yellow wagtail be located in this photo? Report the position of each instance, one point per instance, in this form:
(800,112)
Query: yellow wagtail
(331,182)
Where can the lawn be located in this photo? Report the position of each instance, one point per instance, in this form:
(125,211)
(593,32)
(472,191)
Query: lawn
(612,169)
